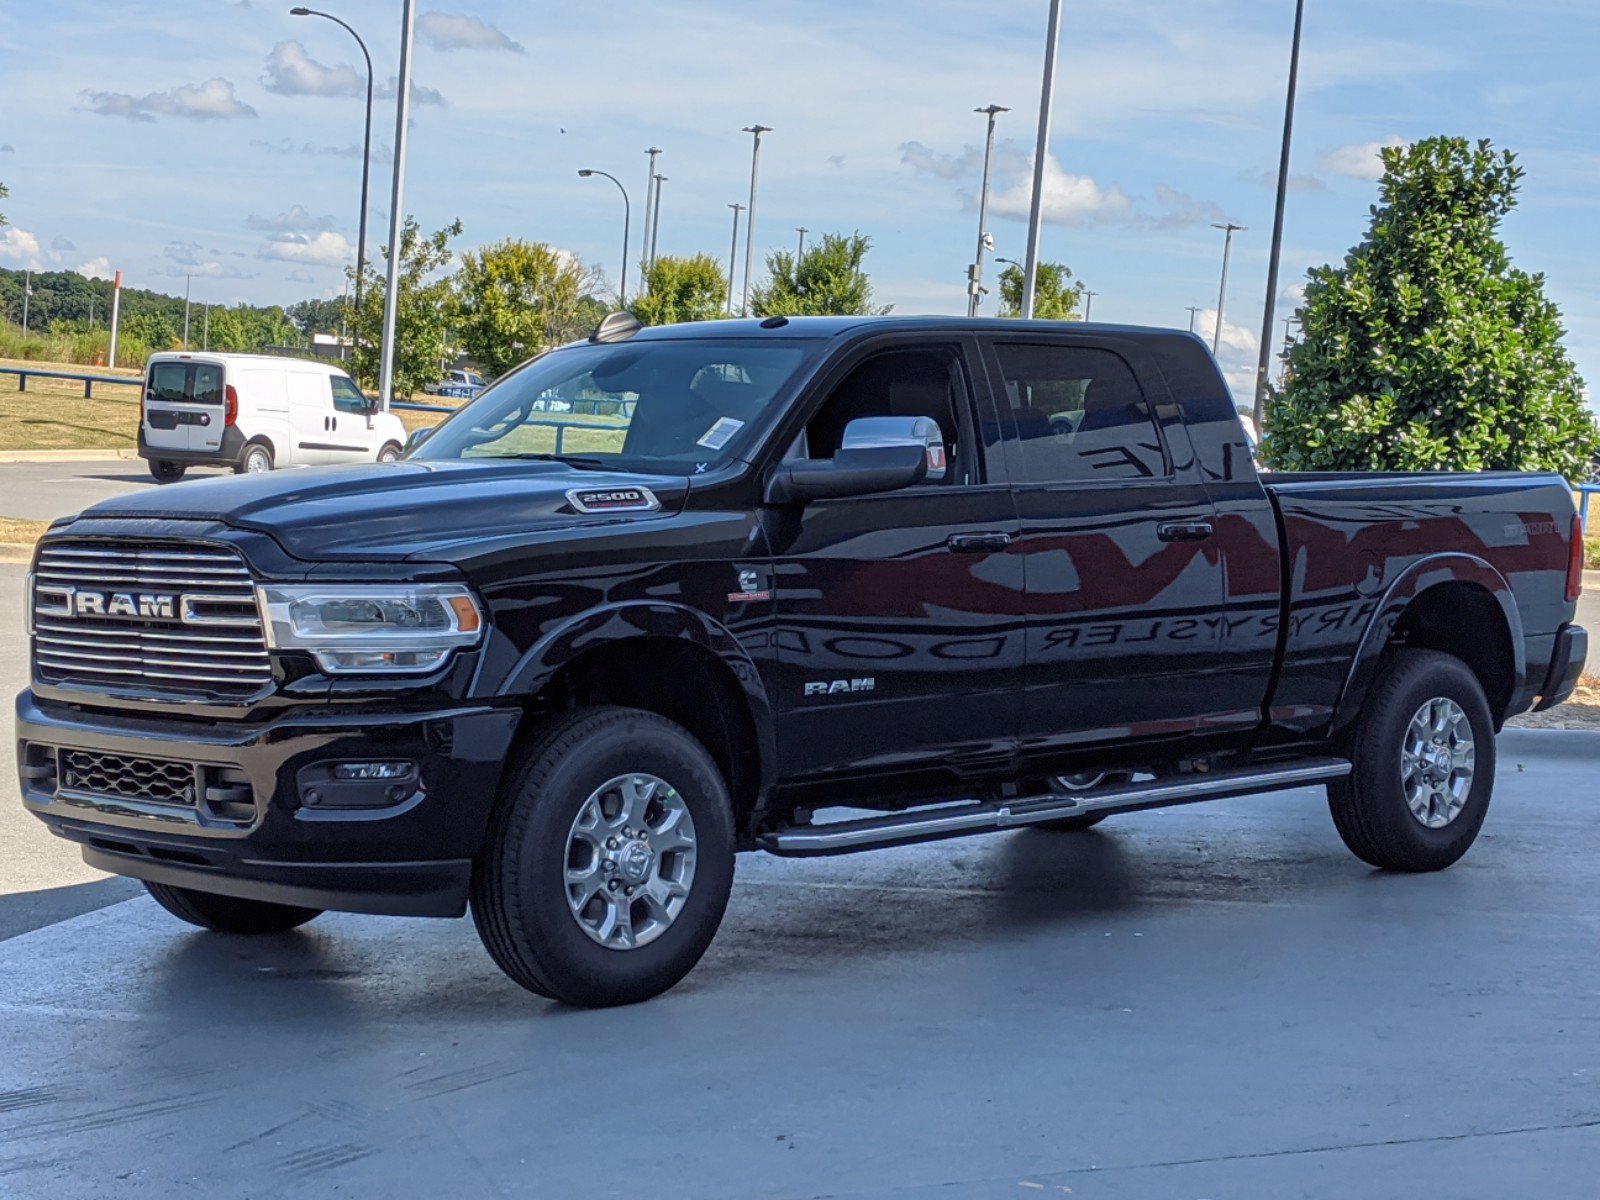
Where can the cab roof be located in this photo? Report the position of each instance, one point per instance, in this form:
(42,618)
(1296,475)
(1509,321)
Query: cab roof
(829,327)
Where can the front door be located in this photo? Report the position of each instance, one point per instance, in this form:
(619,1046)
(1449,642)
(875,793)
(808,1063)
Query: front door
(898,638)
(323,433)
(1124,577)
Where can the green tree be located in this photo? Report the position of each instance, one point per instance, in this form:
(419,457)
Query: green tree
(827,280)
(3,194)
(1055,296)
(319,316)
(515,299)
(422,318)
(1427,349)
(152,327)
(683,289)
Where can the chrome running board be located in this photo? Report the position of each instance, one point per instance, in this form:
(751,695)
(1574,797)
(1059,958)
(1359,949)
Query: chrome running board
(962,819)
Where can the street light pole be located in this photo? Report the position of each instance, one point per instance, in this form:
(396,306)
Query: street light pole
(1088,303)
(750,214)
(1228,230)
(649,211)
(801,252)
(402,115)
(1030,273)
(1194,311)
(733,253)
(976,279)
(27,291)
(366,146)
(622,284)
(1277,220)
(186,310)
(655,223)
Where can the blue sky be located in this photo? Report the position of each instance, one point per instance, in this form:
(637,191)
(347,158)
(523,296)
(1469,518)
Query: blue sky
(219,138)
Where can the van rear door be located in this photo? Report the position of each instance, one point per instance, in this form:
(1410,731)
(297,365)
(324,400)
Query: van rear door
(184,406)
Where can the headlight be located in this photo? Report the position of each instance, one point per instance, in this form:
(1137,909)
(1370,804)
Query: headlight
(363,629)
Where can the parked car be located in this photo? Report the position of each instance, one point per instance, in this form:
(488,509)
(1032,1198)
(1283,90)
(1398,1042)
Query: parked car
(829,563)
(255,412)
(461,385)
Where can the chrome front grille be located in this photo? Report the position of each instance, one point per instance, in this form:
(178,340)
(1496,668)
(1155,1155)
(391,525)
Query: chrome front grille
(148,617)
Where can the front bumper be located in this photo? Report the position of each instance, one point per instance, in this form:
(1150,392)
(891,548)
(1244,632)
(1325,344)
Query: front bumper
(1566,664)
(249,826)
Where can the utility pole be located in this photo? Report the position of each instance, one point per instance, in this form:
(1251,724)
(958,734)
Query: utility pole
(186,279)
(1194,310)
(27,291)
(1228,230)
(655,225)
(1030,273)
(1277,219)
(1088,303)
(402,118)
(649,211)
(750,218)
(801,252)
(975,276)
(205,325)
(91,310)
(116,313)
(733,253)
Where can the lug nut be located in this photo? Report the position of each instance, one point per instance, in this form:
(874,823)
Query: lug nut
(608,866)
(612,885)
(627,891)
(611,843)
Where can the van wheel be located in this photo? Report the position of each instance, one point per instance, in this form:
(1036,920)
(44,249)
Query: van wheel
(256,460)
(389,453)
(1423,754)
(167,472)
(229,914)
(609,859)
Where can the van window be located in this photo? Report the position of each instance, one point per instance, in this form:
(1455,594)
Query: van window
(347,397)
(207,383)
(169,381)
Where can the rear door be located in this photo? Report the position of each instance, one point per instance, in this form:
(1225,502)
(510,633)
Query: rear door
(207,394)
(1124,582)
(183,408)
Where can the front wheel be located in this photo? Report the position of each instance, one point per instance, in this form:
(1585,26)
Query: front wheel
(1423,765)
(389,453)
(609,860)
(256,460)
(229,914)
(166,472)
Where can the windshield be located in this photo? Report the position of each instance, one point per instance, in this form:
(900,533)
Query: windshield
(673,407)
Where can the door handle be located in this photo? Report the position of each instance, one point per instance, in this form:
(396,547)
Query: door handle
(1184,531)
(978,543)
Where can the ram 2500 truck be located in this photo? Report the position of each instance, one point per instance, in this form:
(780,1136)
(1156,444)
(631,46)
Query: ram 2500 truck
(963,575)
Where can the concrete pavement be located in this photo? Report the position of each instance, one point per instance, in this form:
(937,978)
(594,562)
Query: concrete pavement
(1213,1001)
(43,491)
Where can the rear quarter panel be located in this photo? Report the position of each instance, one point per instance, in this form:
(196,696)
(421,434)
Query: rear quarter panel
(1360,547)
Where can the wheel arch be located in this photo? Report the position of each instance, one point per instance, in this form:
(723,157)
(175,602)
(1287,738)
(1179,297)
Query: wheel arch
(1455,603)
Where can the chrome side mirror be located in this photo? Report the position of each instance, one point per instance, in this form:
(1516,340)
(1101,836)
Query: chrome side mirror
(866,433)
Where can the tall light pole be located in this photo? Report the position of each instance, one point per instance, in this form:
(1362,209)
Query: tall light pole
(733,253)
(750,217)
(975,277)
(1277,220)
(655,222)
(402,116)
(1227,245)
(801,252)
(1088,303)
(649,211)
(27,291)
(1194,311)
(1030,273)
(186,310)
(366,145)
(622,284)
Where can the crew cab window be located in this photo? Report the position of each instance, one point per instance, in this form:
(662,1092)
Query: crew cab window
(902,383)
(1079,414)
(347,397)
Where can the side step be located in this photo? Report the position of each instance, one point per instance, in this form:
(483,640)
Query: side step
(959,820)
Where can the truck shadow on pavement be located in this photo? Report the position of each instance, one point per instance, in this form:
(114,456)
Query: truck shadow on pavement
(23,912)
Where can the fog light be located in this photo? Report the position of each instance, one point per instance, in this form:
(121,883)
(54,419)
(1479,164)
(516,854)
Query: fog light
(371,770)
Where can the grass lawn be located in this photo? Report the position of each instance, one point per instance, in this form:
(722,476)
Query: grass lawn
(14,531)
(53,415)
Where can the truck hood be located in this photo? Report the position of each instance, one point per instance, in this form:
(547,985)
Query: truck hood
(393,510)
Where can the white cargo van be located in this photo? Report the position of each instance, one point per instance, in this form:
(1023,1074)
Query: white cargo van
(252,412)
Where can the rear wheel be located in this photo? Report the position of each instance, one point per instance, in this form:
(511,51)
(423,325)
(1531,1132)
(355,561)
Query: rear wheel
(1083,781)
(256,459)
(166,472)
(609,859)
(229,914)
(1423,769)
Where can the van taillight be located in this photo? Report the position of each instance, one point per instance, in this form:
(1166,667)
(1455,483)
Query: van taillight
(230,396)
(1575,560)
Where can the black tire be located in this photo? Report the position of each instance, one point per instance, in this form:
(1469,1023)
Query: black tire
(1088,820)
(229,914)
(519,895)
(389,452)
(259,451)
(166,472)
(1370,808)
(1072,824)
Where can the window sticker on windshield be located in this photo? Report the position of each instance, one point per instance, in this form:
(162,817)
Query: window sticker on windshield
(719,434)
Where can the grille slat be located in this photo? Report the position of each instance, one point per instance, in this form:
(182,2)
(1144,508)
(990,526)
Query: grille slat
(224,656)
(155,780)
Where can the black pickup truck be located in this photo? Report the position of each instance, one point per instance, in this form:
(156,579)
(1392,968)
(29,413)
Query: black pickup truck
(662,596)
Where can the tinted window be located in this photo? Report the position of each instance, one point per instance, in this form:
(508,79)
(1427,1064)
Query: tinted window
(1079,414)
(207,383)
(169,382)
(347,396)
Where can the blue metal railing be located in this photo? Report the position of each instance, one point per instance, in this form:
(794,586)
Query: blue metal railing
(1585,490)
(23,374)
(559,424)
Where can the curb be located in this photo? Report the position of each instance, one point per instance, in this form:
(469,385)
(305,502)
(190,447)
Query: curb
(105,454)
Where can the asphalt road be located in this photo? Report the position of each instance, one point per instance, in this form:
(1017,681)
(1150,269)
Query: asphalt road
(1214,1001)
(43,491)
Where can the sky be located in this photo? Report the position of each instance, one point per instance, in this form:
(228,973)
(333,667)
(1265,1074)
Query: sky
(221,138)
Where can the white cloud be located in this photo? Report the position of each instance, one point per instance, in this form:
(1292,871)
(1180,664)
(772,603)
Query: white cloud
(21,247)
(1237,341)
(97,268)
(295,220)
(322,250)
(61,243)
(292,72)
(1360,159)
(450,31)
(208,101)
(300,275)
(191,258)
(380,153)
(420,93)
(8,148)
(1067,199)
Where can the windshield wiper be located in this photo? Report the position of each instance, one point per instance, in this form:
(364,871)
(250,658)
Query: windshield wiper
(571,460)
